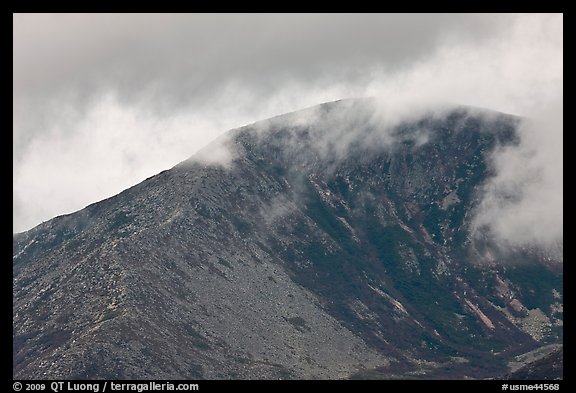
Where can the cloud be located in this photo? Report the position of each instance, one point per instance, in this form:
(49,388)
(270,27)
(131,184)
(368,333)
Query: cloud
(102,101)
(523,204)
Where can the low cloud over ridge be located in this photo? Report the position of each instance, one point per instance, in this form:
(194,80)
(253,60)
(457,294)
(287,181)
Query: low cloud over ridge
(104,101)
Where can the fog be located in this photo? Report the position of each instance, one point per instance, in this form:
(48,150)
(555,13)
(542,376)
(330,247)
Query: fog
(103,101)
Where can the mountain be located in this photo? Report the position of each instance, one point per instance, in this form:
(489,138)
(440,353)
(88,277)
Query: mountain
(328,243)
(545,363)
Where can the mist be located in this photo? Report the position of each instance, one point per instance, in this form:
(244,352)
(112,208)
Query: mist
(523,204)
(103,101)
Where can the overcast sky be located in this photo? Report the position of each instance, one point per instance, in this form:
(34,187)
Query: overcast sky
(102,101)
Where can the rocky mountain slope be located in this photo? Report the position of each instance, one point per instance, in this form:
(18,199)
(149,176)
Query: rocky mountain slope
(330,244)
(547,366)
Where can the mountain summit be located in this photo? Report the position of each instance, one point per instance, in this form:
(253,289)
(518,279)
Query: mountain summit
(332,242)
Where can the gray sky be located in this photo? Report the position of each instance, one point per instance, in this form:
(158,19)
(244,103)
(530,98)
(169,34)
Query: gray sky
(102,101)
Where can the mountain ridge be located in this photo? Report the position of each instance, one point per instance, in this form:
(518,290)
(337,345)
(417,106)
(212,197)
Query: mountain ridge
(330,242)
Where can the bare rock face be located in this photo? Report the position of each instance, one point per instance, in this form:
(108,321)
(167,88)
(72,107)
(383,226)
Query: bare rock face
(324,244)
